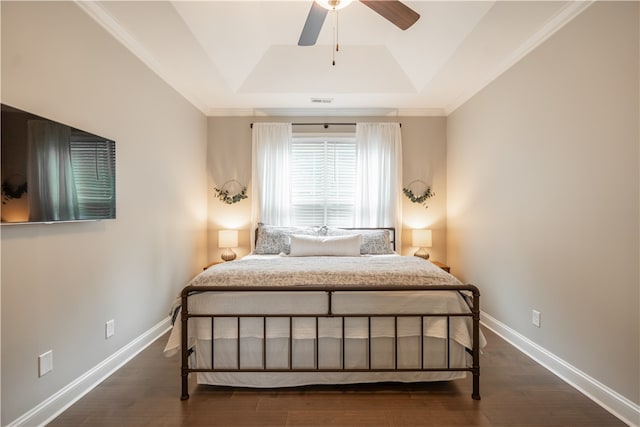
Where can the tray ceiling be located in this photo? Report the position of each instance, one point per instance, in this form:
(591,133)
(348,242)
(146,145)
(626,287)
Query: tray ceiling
(242,57)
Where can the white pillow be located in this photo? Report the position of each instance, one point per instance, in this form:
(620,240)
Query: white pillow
(325,245)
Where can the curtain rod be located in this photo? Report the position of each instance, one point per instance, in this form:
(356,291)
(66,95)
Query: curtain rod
(326,125)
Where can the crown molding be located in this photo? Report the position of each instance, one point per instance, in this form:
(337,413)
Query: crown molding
(559,20)
(326,112)
(113,27)
(422,112)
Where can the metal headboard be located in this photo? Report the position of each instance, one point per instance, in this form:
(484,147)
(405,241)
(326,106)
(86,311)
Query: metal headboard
(391,230)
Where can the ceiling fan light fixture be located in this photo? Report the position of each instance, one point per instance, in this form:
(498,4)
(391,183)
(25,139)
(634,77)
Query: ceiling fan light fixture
(334,4)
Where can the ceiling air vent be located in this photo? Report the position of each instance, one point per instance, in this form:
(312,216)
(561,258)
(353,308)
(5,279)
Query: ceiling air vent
(321,100)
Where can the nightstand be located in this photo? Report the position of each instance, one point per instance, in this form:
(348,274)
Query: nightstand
(211,264)
(442,266)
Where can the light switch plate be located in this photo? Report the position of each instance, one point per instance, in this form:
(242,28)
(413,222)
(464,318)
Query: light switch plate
(110,328)
(535,318)
(45,363)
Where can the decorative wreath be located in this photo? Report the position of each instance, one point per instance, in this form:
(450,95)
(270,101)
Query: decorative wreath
(424,191)
(13,188)
(223,193)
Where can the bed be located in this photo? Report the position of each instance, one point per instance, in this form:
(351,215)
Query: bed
(317,312)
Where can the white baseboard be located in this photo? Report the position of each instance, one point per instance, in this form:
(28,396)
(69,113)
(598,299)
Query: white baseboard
(615,403)
(618,405)
(46,411)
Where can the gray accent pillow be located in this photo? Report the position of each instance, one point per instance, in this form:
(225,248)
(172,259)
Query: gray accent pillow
(274,240)
(374,242)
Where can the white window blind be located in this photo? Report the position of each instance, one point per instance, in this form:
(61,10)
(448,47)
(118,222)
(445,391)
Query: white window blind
(93,162)
(323,179)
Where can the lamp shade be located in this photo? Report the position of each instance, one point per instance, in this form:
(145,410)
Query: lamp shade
(421,238)
(228,238)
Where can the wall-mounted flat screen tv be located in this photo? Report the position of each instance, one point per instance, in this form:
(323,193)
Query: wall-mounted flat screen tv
(52,172)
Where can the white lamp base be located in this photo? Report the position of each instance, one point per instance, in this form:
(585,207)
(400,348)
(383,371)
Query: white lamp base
(422,253)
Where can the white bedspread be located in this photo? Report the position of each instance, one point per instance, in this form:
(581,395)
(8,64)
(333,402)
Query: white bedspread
(326,270)
(298,272)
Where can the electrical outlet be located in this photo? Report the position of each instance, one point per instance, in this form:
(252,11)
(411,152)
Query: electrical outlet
(535,318)
(45,363)
(110,328)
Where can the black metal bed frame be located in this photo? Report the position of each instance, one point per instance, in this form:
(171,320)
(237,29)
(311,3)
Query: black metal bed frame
(474,314)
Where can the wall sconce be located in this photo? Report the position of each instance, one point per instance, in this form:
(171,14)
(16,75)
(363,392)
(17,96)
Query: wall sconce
(228,239)
(423,240)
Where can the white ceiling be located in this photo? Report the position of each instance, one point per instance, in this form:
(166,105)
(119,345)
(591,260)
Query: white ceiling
(242,58)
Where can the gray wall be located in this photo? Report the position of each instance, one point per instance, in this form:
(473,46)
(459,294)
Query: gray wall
(543,200)
(424,158)
(62,282)
(536,182)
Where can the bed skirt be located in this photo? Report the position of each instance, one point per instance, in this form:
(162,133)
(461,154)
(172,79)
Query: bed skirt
(329,361)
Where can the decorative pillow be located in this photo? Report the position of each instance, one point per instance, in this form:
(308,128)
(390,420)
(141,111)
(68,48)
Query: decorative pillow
(302,245)
(374,242)
(274,240)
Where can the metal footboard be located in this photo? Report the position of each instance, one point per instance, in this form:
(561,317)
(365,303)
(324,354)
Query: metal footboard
(473,301)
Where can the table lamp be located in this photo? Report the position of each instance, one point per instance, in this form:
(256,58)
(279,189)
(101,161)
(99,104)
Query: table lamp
(228,239)
(421,239)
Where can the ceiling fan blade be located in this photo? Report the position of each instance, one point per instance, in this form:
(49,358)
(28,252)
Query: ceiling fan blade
(313,25)
(394,11)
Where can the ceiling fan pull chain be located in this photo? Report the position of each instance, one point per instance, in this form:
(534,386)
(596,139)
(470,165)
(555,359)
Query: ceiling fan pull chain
(333,56)
(335,36)
(337,46)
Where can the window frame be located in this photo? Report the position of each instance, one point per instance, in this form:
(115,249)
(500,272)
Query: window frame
(325,201)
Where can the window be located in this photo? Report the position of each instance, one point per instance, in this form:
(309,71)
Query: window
(323,179)
(93,163)
(332,180)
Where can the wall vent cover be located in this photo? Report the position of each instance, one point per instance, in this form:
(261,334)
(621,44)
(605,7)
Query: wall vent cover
(321,100)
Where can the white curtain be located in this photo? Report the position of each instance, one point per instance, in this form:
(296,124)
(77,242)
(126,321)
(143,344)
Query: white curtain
(379,177)
(51,187)
(270,177)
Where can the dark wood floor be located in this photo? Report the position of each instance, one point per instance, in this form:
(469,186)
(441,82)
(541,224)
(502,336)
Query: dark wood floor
(515,392)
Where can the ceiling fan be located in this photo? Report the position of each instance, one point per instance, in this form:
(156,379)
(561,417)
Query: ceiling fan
(394,11)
